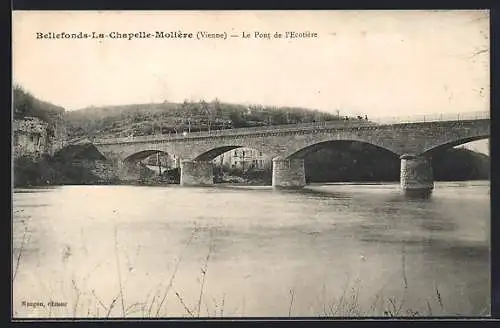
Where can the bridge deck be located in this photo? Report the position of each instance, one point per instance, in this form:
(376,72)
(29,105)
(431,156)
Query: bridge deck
(337,124)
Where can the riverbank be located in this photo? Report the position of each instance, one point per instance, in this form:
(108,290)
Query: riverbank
(452,165)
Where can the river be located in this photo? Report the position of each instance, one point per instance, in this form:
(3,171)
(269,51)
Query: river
(327,250)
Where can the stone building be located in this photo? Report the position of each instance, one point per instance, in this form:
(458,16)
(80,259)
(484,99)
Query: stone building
(244,159)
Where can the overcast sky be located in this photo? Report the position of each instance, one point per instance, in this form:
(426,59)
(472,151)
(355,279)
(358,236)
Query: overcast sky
(379,63)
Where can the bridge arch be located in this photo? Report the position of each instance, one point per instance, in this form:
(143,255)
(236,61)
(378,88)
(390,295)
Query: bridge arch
(344,143)
(213,153)
(136,166)
(143,154)
(287,144)
(450,144)
(291,171)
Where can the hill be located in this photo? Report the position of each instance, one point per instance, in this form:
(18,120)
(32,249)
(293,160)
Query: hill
(459,164)
(25,104)
(167,117)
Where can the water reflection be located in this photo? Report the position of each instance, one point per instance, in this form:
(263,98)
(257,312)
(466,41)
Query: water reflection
(261,244)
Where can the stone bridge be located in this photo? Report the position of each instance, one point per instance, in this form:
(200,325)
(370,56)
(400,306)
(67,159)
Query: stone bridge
(414,142)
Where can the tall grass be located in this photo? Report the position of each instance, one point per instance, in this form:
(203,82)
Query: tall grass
(292,293)
(204,274)
(349,303)
(118,269)
(21,251)
(174,273)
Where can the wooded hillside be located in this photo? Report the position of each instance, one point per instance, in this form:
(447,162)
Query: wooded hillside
(25,104)
(166,117)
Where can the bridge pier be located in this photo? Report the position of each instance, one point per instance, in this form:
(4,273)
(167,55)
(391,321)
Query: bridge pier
(416,176)
(288,173)
(128,171)
(196,173)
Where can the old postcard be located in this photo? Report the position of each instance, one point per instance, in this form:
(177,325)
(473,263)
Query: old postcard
(208,164)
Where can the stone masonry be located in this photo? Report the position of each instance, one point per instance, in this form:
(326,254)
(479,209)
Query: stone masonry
(288,173)
(416,175)
(197,173)
(290,142)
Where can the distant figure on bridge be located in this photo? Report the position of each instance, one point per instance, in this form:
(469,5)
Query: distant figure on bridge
(366,117)
(360,117)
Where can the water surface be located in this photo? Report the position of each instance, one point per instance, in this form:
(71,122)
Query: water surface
(330,249)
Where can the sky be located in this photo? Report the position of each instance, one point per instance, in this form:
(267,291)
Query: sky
(378,63)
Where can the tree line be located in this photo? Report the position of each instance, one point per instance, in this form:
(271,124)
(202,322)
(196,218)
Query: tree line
(25,104)
(160,118)
(188,116)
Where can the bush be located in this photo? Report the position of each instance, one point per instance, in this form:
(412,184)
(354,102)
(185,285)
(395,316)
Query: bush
(30,171)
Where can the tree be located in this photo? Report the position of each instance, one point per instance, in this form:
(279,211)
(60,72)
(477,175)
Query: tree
(22,102)
(186,113)
(209,112)
(216,105)
(235,118)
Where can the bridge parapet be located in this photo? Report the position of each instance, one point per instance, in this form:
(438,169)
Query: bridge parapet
(467,116)
(288,128)
(240,131)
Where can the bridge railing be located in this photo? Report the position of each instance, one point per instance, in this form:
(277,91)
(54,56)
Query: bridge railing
(238,131)
(432,117)
(352,122)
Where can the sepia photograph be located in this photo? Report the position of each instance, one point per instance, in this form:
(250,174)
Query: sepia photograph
(243,164)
